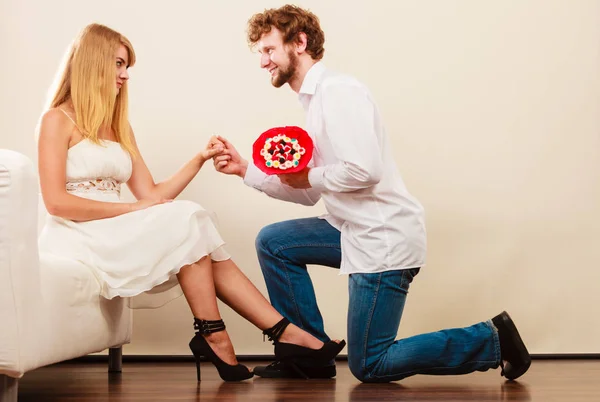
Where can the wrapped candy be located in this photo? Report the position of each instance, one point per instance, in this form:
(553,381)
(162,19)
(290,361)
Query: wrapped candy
(282,150)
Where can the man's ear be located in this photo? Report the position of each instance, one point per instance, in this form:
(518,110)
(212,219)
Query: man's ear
(301,42)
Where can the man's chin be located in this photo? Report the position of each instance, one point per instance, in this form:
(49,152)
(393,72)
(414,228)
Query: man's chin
(277,84)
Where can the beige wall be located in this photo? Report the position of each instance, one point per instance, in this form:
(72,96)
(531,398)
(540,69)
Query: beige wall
(493,112)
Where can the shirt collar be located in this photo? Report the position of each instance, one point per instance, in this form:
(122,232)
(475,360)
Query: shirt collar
(311,79)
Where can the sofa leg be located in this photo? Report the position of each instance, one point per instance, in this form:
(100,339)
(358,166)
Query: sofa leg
(9,387)
(115,359)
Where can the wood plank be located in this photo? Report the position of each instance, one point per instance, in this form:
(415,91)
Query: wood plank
(547,381)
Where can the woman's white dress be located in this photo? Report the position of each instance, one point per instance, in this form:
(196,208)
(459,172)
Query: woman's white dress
(135,255)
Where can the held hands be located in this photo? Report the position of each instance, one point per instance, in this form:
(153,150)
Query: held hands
(214,147)
(297,180)
(229,160)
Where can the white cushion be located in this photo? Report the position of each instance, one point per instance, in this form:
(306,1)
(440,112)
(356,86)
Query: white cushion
(50,310)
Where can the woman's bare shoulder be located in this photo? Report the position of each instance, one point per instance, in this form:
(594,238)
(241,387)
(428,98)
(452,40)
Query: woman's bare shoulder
(56,124)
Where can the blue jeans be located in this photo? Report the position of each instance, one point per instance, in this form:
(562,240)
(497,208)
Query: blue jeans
(376,302)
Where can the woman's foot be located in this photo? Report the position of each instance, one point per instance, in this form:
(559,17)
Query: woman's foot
(213,343)
(221,344)
(294,346)
(299,354)
(294,335)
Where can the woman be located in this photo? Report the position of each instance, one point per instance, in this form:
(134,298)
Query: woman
(152,246)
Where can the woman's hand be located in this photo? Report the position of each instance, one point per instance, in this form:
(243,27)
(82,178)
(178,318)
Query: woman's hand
(147,203)
(214,147)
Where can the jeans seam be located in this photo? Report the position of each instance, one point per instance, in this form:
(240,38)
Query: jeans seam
(384,355)
(413,372)
(291,290)
(368,328)
(496,338)
(283,248)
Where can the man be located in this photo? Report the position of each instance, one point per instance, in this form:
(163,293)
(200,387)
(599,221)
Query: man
(374,230)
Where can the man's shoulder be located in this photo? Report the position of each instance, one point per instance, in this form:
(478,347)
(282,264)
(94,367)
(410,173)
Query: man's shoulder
(332,78)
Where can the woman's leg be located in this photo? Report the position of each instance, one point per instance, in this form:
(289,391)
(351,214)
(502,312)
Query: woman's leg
(196,281)
(239,293)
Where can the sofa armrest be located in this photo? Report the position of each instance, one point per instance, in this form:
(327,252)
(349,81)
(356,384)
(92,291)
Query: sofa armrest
(19,262)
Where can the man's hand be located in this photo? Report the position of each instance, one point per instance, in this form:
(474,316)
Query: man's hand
(297,180)
(229,160)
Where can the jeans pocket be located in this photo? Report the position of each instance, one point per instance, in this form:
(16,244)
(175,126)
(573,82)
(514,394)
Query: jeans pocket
(409,275)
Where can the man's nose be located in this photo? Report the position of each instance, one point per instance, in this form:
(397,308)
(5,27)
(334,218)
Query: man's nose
(265,60)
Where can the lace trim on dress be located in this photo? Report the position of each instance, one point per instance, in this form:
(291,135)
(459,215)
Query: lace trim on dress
(101,184)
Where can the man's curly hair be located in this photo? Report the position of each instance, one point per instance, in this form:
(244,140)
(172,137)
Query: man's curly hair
(290,20)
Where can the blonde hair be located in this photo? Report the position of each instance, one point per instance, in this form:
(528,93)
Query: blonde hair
(87,78)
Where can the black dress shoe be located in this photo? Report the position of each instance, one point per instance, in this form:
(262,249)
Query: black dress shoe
(512,349)
(279,369)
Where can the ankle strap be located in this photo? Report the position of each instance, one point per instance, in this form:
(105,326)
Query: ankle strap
(208,327)
(274,333)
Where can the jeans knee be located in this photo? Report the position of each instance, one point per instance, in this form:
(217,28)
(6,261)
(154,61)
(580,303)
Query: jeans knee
(270,240)
(357,368)
(362,373)
(265,238)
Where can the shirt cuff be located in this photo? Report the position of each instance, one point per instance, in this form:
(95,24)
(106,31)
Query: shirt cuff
(254,176)
(315,178)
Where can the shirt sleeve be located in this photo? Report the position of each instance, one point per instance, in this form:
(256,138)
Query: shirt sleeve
(349,117)
(273,187)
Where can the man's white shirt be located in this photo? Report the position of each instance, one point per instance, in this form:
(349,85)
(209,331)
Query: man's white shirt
(382,226)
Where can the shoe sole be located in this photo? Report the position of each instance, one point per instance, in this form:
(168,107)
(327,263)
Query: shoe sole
(519,345)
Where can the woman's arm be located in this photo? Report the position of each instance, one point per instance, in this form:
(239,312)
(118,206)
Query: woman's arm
(142,184)
(54,137)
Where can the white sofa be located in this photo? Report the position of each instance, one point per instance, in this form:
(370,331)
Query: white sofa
(48,312)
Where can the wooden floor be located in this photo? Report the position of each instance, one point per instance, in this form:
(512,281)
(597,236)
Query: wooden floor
(546,381)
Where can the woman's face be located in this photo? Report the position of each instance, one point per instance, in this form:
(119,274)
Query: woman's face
(122,63)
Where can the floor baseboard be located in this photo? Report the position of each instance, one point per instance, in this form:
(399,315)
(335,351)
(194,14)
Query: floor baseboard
(185,358)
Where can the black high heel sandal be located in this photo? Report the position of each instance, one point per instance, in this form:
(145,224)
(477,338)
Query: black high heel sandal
(289,353)
(200,348)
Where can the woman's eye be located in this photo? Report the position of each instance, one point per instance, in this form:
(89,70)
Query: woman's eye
(119,63)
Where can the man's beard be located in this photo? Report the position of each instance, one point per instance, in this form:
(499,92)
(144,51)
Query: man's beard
(285,75)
